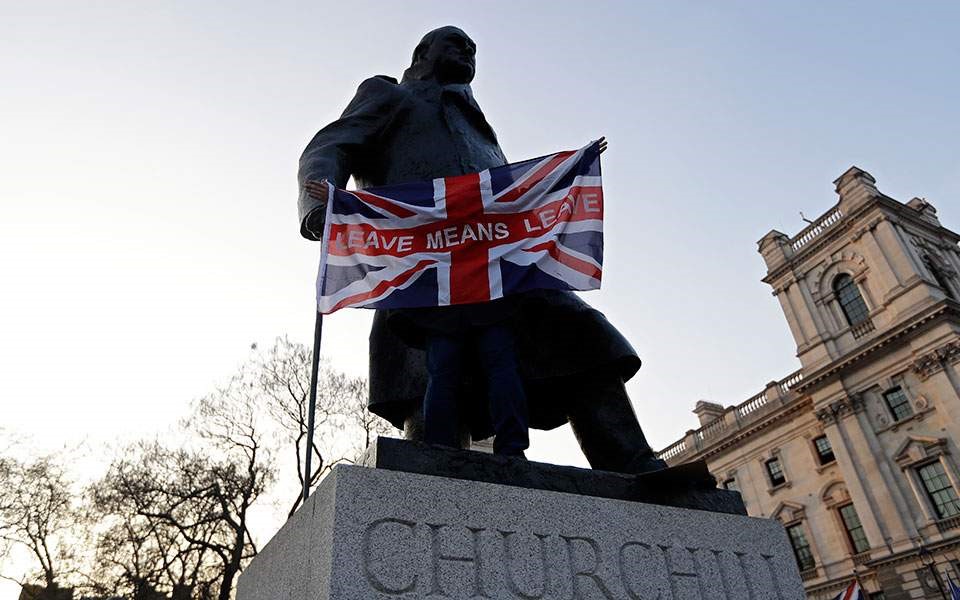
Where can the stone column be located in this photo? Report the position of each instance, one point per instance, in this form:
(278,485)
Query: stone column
(832,418)
(866,293)
(903,262)
(902,518)
(833,305)
(944,404)
(940,383)
(793,321)
(911,250)
(796,302)
(879,259)
(953,258)
(812,308)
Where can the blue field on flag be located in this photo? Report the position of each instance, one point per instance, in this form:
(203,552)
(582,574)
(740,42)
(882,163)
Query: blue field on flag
(954,590)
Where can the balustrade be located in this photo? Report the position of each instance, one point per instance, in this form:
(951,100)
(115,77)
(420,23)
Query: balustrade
(752,404)
(751,408)
(946,525)
(673,450)
(861,329)
(815,229)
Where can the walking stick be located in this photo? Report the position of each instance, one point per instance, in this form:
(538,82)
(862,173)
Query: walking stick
(312,408)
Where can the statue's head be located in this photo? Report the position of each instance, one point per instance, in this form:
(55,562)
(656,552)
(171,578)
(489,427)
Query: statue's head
(445,55)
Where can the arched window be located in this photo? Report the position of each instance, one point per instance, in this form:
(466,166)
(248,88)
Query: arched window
(851,302)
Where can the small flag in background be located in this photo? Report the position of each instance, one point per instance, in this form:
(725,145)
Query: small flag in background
(537,224)
(954,590)
(853,592)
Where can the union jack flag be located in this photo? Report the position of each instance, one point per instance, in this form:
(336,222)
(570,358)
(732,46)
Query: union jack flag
(853,592)
(536,224)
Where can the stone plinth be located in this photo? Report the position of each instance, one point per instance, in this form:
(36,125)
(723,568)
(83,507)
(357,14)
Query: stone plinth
(372,533)
(688,485)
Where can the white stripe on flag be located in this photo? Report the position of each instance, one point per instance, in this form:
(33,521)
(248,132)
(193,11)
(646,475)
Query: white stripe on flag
(853,592)
(440,194)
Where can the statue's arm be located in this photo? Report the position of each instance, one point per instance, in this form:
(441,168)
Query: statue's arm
(331,152)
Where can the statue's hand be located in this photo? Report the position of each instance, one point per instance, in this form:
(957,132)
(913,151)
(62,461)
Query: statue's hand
(318,190)
(603,144)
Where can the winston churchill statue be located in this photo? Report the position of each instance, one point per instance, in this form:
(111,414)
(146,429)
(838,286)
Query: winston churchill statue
(572,361)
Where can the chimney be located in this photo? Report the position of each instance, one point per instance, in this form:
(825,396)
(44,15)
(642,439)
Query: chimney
(855,188)
(775,249)
(708,412)
(927,211)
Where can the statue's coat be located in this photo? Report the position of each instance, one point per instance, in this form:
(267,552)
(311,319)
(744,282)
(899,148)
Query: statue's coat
(415,130)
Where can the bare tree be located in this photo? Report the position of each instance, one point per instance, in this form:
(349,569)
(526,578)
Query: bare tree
(181,516)
(283,376)
(7,467)
(369,425)
(229,420)
(173,518)
(137,555)
(343,426)
(6,487)
(37,513)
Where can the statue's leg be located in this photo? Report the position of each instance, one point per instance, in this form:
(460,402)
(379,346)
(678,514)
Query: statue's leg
(607,428)
(413,423)
(506,398)
(413,428)
(445,364)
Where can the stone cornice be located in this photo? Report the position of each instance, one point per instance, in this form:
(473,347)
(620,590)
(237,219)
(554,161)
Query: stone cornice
(901,557)
(738,435)
(933,361)
(941,310)
(798,396)
(838,409)
(908,555)
(849,222)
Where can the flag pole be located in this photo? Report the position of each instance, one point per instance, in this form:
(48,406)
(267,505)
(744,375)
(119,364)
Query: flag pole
(317,335)
(312,407)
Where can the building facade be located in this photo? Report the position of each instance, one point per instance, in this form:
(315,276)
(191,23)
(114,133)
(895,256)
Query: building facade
(857,452)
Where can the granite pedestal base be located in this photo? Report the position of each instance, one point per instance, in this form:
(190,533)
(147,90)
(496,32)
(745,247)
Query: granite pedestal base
(373,533)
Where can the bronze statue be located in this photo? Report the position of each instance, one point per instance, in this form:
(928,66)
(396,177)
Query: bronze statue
(573,361)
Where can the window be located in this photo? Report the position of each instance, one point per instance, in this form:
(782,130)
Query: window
(775,472)
(855,533)
(877,596)
(941,493)
(898,403)
(801,547)
(824,450)
(731,484)
(851,302)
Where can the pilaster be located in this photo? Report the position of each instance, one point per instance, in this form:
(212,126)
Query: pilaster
(812,308)
(903,262)
(881,261)
(793,322)
(832,417)
(902,526)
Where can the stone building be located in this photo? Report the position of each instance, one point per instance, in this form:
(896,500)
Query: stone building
(857,452)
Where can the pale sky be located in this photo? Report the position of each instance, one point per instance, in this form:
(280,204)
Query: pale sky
(148,154)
